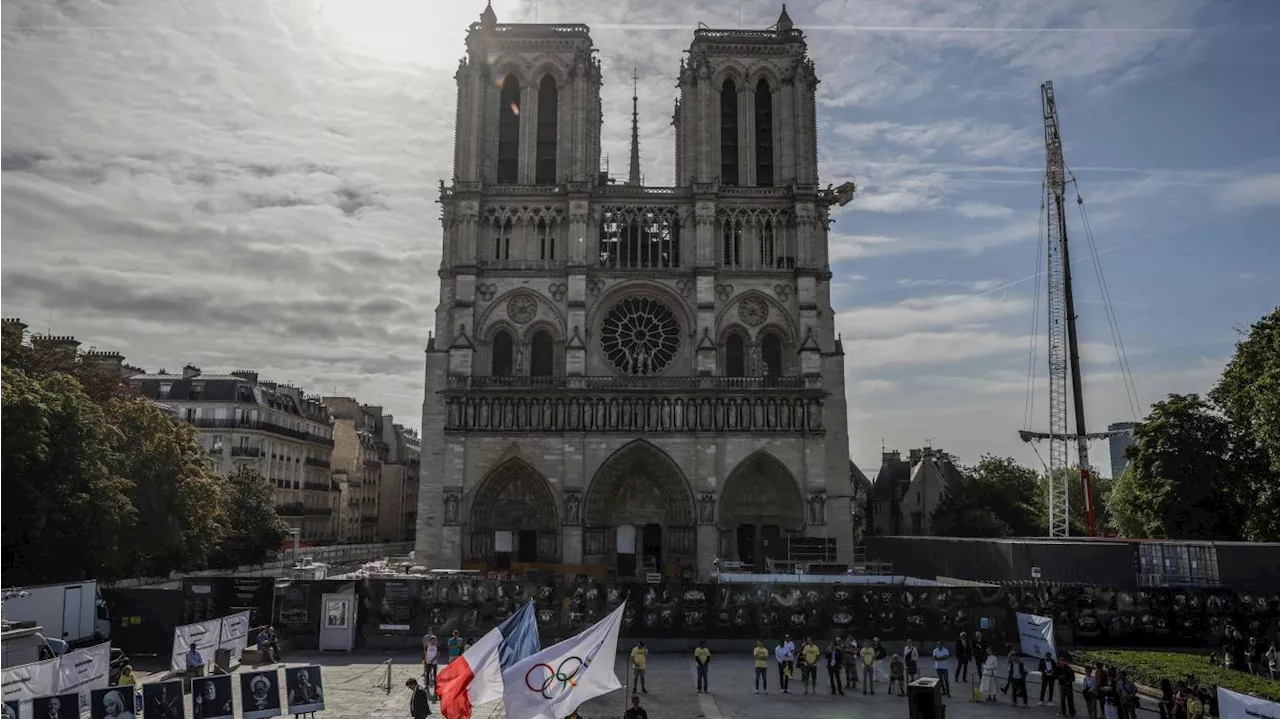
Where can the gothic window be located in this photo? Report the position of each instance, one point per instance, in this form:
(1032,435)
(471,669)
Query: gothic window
(729,134)
(546,241)
(502,231)
(640,336)
(509,131)
(542,355)
(767,246)
(732,242)
(735,356)
(503,350)
(771,355)
(764,135)
(545,166)
(639,238)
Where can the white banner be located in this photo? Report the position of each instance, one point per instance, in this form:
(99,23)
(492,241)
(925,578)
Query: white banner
(1035,635)
(229,632)
(235,634)
(84,670)
(25,682)
(1234,705)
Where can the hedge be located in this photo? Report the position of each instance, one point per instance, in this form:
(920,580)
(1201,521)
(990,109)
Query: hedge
(1150,667)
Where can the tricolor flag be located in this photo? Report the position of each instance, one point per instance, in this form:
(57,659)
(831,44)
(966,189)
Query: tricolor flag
(557,680)
(476,676)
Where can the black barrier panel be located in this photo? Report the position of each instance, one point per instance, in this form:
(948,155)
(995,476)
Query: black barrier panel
(211,597)
(142,620)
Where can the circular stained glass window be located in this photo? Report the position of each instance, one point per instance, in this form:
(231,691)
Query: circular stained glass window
(640,336)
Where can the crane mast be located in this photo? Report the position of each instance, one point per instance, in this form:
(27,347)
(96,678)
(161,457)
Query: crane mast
(1064,346)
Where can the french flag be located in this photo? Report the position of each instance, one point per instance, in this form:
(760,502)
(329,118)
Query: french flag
(476,677)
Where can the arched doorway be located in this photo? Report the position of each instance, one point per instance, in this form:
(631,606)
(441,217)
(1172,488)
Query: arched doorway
(760,506)
(513,518)
(639,513)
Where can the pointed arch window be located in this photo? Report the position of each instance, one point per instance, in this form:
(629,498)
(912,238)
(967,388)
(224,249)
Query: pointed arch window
(729,134)
(764,134)
(735,356)
(542,355)
(771,356)
(502,231)
(509,131)
(546,240)
(545,165)
(503,350)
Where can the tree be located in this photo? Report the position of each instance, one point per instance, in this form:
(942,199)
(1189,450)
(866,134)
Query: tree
(255,532)
(179,501)
(997,498)
(1183,485)
(65,505)
(1125,517)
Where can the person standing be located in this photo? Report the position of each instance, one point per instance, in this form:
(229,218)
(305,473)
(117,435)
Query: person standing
(1128,693)
(1089,692)
(882,658)
(895,675)
(419,702)
(988,674)
(835,658)
(810,653)
(1066,677)
(964,653)
(761,656)
(940,659)
(635,711)
(1018,681)
(430,658)
(980,652)
(850,661)
(1046,678)
(785,653)
(702,660)
(911,661)
(639,660)
(456,643)
(868,657)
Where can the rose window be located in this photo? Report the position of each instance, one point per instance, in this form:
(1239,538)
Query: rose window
(640,336)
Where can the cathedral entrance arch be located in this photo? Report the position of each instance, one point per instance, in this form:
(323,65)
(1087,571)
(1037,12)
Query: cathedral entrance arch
(760,505)
(639,512)
(513,517)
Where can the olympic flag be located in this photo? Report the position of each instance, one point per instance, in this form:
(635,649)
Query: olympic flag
(556,681)
(476,676)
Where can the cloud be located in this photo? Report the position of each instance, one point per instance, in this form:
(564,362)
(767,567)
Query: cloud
(921,313)
(1251,192)
(983,210)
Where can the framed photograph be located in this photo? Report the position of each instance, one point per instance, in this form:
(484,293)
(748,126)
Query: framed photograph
(112,702)
(62,706)
(163,700)
(335,613)
(260,695)
(11,710)
(304,689)
(210,698)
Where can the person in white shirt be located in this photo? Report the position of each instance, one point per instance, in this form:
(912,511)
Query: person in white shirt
(785,653)
(988,683)
(941,663)
(430,658)
(911,660)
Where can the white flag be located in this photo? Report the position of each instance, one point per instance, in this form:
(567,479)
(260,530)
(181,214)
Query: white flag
(557,680)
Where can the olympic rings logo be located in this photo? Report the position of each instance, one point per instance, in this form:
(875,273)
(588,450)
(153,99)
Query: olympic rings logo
(556,681)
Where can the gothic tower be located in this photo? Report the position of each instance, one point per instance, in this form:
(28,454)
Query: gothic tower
(625,378)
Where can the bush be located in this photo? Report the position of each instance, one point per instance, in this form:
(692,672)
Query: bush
(1150,667)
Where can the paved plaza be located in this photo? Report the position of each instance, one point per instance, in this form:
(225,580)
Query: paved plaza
(351,693)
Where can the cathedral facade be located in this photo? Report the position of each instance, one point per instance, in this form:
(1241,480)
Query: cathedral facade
(630,378)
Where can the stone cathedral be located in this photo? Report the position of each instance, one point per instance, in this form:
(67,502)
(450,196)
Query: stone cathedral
(629,379)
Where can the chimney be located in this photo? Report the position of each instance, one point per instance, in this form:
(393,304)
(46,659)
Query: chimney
(64,346)
(887,457)
(246,374)
(915,455)
(106,361)
(189,370)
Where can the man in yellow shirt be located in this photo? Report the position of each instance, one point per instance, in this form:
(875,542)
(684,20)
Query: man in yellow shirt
(639,659)
(702,658)
(761,656)
(810,654)
(868,656)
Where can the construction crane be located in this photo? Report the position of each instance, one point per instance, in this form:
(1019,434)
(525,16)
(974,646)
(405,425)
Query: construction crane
(1064,344)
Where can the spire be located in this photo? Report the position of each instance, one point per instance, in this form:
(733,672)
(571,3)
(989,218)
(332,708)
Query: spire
(784,20)
(489,17)
(633,173)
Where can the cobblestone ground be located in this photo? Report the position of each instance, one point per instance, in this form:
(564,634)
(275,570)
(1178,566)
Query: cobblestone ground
(351,692)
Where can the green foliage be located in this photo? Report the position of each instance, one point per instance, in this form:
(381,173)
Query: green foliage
(255,532)
(996,498)
(1125,515)
(1148,668)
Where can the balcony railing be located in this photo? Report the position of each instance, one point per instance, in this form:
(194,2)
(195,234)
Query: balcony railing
(649,383)
(246,451)
(316,462)
(368,518)
(318,511)
(316,486)
(261,426)
(293,509)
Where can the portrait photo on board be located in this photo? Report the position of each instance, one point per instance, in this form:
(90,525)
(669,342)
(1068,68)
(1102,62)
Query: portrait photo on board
(111,703)
(210,698)
(163,700)
(304,690)
(62,706)
(11,710)
(260,695)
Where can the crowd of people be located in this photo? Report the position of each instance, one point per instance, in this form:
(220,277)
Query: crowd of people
(1254,656)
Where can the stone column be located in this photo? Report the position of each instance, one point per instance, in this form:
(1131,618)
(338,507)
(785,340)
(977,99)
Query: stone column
(784,119)
(432,476)
(528,132)
(746,137)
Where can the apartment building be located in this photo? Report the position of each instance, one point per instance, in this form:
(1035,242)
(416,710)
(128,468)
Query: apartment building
(277,429)
(398,496)
(359,453)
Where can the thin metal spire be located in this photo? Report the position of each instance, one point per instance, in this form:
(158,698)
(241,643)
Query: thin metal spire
(633,174)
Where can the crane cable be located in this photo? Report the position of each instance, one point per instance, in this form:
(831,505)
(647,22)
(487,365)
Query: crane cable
(1030,404)
(1117,339)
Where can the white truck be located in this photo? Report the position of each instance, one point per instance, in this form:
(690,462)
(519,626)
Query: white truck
(72,612)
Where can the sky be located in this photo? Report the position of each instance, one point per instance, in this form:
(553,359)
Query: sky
(246,184)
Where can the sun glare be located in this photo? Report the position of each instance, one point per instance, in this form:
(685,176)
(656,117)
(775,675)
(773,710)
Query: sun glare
(418,32)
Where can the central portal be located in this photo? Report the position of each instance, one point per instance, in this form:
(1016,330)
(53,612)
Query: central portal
(639,514)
